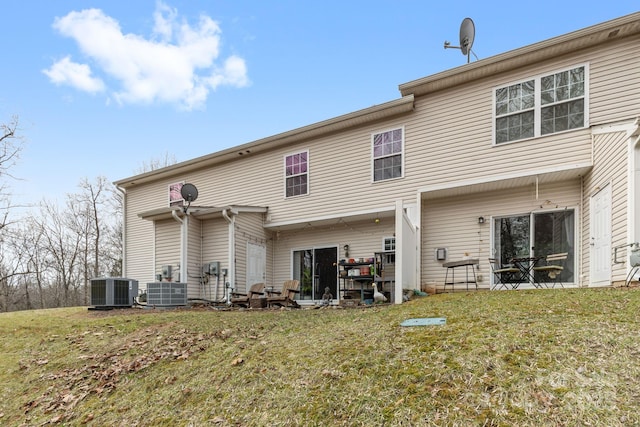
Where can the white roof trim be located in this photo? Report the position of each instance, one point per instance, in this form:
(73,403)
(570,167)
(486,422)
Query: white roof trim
(198,211)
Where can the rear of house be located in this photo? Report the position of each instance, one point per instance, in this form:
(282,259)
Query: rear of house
(524,154)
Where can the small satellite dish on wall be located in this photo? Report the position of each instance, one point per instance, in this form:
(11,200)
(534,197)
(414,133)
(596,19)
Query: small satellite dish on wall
(467,36)
(189,193)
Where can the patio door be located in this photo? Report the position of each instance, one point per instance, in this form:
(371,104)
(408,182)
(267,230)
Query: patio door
(600,244)
(316,269)
(534,235)
(256,263)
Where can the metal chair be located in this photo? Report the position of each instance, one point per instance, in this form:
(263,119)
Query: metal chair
(634,260)
(503,275)
(553,267)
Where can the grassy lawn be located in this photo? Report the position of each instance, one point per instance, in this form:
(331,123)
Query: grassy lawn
(528,358)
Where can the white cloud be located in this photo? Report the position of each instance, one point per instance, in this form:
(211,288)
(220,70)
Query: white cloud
(180,64)
(77,75)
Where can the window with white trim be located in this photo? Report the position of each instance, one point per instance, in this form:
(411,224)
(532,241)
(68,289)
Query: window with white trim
(175,194)
(387,154)
(540,106)
(388,244)
(296,170)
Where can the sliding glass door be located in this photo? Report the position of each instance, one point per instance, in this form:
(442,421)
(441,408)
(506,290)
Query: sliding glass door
(316,270)
(537,234)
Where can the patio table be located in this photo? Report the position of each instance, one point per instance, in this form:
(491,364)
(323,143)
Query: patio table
(525,265)
(468,278)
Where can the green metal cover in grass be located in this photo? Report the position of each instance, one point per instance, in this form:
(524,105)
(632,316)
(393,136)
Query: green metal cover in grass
(428,321)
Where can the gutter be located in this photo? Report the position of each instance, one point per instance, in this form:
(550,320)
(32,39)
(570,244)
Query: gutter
(184,242)
(230,215)
(123,238)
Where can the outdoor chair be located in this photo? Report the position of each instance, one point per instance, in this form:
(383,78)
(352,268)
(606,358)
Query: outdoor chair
(503,275)
(244,300)
(553,267)
(286,297)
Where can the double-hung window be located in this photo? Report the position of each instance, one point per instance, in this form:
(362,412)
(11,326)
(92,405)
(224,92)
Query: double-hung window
(388,147)
(540,106)
(296,170)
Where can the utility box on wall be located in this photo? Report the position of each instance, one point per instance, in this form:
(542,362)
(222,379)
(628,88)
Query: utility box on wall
(212,268)
(167,272)
(441,254)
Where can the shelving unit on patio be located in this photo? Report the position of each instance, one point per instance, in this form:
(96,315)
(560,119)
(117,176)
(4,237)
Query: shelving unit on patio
(354,285)
(357,276)
(469,279)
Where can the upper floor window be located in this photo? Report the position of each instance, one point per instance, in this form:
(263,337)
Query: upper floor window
(296,167)
(175,194)
(544,105)
(387,154)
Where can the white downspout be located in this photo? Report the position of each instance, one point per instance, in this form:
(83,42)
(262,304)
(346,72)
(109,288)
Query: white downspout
(124,229)
(399,276)
(231,219)
(184,230)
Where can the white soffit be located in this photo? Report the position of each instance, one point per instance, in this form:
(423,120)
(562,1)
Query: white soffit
(502,183)
(333,219)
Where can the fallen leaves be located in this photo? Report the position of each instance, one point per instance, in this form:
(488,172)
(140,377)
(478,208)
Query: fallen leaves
(101,372)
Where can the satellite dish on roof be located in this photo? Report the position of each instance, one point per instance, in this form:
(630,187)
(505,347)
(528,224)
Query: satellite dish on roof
(467,35)
(189,193)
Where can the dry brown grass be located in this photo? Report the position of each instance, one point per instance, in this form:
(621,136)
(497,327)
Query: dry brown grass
(527,358)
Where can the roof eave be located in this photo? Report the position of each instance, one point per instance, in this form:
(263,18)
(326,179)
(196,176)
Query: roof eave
(585,38)
(377,112)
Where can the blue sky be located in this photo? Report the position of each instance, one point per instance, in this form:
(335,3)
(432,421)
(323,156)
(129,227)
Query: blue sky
(101,87)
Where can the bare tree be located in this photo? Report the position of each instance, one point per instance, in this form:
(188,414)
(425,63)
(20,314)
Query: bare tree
(94,220)
(10,148)
(63,245)
(157,163)
(28,240)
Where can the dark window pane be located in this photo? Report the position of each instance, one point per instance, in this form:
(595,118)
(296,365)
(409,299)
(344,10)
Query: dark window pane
(387,168)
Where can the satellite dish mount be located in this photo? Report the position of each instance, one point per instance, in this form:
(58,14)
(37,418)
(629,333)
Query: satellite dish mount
(467,35)
(189,193)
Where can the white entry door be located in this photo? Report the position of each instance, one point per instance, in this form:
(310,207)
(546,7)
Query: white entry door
(256,264)
(600,233)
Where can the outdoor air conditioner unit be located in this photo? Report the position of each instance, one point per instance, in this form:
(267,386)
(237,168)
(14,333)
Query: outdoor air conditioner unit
(113,291)
(166,294)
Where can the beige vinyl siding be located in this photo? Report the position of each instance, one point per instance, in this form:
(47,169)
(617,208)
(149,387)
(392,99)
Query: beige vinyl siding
(167,241)
(194,256)
(139,240)
(249,229)
(364,239)
(452,223)
(615,82)
(611,168)
(447,138)
(215,247)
